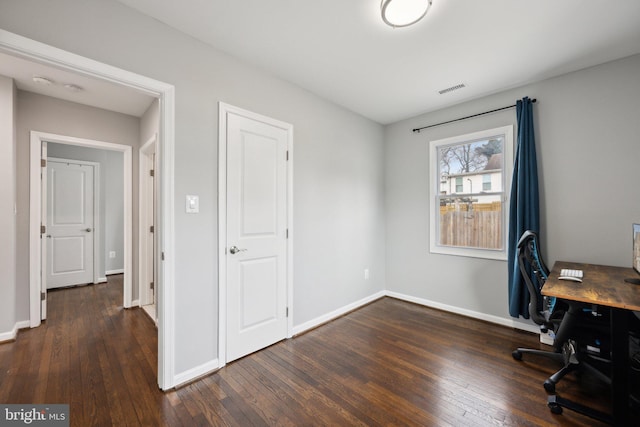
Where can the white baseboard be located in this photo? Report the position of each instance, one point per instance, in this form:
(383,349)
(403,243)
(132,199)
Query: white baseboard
(194,373)
(135,303)
(12,334)
(336,313)
(101,280)
(117,271)
(468,313)
(214,365)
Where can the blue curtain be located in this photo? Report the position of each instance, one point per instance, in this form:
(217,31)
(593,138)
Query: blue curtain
(524,207)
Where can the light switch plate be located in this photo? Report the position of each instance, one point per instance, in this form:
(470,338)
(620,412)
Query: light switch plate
(192,204)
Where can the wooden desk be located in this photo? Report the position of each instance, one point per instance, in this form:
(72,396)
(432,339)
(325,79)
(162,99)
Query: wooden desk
(605,286)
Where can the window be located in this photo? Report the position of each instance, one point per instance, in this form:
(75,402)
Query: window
(470,179)
(486,182)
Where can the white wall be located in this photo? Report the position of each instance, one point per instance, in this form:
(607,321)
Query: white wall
(338,161)
(51,115)
(8,318)
(587,134)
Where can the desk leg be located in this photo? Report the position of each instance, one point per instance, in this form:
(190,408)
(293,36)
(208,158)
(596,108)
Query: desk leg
(620,366)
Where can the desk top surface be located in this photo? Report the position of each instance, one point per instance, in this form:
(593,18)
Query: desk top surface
(601,284)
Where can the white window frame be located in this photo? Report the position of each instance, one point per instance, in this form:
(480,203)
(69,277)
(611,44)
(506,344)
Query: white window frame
(434,190)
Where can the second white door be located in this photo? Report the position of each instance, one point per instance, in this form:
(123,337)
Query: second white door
(256,235)
(70,224)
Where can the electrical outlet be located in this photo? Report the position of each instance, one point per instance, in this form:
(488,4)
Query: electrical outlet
(366,274)
(112,254)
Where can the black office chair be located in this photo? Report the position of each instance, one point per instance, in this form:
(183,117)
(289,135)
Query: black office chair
(535,272)
(574,324)
(569,322)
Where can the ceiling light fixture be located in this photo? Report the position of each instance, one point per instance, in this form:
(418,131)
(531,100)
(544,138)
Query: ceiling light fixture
(72,88)
(42,80)
(402,13)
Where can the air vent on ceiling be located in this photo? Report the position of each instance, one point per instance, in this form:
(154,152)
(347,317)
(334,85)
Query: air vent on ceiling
(451,89)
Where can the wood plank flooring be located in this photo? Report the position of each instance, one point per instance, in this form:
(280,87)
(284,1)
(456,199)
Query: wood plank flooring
(389,363)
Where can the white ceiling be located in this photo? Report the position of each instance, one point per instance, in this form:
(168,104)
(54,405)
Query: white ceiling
(342,51)
(96,93)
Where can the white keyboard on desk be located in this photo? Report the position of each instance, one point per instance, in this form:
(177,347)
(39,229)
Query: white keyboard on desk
(573,275)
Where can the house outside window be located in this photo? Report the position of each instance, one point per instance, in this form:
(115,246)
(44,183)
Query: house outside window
(470,179)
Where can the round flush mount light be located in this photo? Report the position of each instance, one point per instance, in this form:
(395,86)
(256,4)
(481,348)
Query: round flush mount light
(402,13)
(42,80)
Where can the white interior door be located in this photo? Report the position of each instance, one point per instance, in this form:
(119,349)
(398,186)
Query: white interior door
(256,258)
(70,224)
(148,245)
(43,222)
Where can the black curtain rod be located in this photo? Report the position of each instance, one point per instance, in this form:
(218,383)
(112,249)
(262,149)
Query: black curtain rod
(468,117)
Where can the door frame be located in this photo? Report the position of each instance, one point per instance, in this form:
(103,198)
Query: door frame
(32,50)
(223,111)
(96,206)
(36,285)
(143,218)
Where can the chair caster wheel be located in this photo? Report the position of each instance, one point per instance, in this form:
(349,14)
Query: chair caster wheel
(516,355)
(555,408)
(549,386)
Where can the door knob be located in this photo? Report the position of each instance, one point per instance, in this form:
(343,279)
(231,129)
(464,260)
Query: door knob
(88,230)
(235,250)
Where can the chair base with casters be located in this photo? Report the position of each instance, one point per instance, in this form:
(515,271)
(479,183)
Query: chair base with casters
(567,357)
(556,403)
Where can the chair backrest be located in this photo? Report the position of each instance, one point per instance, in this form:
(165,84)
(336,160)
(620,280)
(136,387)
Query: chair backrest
(534,272)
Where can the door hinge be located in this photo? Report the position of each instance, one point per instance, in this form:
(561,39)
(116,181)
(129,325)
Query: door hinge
(43,229)
(43,296)
(287,155)
(162,256)
(151,172)
(151,229)
(43,163)
(287,233)
(151,286)
(287,312)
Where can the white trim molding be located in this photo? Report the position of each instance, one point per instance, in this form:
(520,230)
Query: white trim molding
(465,312)
(13,333)
(318,321)
(117,271)
(193,374)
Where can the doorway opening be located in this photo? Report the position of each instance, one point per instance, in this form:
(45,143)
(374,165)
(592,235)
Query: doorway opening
(40,53)
(38,217)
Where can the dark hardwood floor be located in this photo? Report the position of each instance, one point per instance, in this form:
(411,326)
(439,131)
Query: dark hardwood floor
(389,363)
